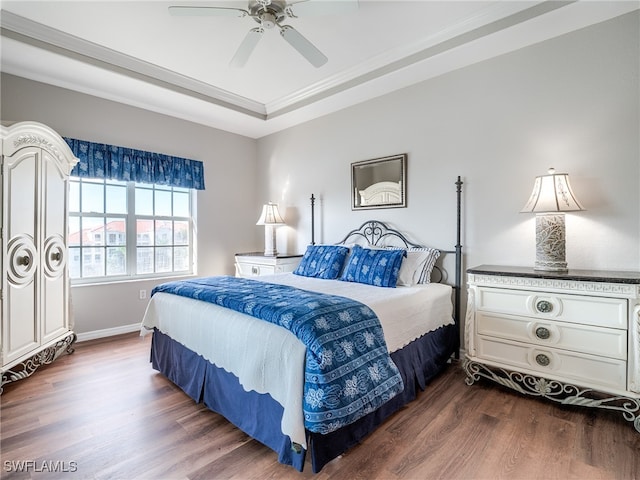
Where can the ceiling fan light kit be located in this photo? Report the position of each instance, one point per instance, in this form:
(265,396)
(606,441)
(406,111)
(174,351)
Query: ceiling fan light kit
(268,20)
(269,14)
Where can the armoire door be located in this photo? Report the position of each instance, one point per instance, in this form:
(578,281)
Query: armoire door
(21,331)
(54,283)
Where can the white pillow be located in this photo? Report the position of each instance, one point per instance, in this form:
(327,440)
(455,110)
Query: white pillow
(425,275)
(417,265)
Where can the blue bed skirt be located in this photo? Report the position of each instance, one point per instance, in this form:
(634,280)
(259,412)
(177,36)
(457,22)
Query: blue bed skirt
(259,415)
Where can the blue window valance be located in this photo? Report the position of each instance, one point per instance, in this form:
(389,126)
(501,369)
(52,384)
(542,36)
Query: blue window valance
(98,160)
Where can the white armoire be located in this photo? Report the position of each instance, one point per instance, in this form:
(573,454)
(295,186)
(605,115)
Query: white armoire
(35,328)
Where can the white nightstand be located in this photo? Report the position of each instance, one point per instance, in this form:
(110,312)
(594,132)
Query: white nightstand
(254,264)
(569,337)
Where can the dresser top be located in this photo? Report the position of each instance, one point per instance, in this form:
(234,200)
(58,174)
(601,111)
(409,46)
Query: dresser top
(584,275)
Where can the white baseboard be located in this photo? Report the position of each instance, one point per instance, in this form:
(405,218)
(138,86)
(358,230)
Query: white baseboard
(108,332)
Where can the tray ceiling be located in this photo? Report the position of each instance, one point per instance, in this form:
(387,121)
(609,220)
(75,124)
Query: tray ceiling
(136,53)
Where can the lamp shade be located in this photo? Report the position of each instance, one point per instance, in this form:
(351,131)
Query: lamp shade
(552,193)
(270,215)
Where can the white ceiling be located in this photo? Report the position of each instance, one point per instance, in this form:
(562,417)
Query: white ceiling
(136,53)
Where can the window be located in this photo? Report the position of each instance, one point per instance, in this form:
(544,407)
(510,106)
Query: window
(120,230)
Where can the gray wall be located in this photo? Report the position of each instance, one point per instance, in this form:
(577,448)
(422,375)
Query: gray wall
(230,179)
(571,103)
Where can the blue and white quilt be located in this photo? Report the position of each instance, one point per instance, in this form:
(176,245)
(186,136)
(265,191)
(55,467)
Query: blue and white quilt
(348,371)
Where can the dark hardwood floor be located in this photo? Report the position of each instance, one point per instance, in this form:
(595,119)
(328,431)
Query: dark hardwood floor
(103,413)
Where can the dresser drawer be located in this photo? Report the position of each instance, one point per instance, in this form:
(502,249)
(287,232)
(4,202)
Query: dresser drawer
(583,309)
(607,342)
(583,369)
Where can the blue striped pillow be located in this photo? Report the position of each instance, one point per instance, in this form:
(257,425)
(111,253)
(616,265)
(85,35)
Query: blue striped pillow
(373,267)
(322,261)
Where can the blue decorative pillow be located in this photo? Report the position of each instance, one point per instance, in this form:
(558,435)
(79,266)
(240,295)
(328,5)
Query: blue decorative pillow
(322,261)
(373,267)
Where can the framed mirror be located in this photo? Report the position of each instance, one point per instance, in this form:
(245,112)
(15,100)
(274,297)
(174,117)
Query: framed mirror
(379,183)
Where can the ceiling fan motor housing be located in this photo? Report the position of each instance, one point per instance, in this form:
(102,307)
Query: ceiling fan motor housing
(268,14)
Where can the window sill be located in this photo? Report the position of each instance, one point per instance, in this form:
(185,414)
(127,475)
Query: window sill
(158,279)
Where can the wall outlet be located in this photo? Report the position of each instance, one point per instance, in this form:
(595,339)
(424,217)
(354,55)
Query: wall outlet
(143,294)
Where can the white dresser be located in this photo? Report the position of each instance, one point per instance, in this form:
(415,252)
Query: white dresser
(569,337)
(34,300)
(254,264)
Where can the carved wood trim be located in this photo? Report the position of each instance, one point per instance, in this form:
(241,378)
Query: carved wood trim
(634,361)
(622,289)
(45,356)
(469,323)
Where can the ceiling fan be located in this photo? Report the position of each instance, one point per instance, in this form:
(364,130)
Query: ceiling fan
(270,14)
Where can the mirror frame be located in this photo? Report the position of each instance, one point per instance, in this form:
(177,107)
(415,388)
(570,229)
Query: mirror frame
(385,169)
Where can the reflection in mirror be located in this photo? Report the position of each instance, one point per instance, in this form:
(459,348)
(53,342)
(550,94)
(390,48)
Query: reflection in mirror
(379,183)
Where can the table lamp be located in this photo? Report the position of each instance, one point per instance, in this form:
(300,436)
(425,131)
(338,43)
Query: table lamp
(270,218)
(551,197)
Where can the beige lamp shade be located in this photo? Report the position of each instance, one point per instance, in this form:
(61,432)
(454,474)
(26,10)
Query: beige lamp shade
(552,193)
(550,198)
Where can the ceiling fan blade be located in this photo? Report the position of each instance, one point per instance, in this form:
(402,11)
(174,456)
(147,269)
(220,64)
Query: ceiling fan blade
(303,46)
(321,7)
(185,11)
(246,47)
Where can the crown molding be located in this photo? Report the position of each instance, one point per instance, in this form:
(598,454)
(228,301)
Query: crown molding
(489,20)
(55,41)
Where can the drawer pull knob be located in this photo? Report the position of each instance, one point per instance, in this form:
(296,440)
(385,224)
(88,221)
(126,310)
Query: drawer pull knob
(542,360)
(543,333)
(543,306)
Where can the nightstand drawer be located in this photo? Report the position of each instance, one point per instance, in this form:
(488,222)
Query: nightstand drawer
(255,264)
(583,309)
(254,269)
(607,342)
(581,368)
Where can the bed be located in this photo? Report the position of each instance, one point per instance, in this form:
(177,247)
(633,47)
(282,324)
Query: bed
(319,395)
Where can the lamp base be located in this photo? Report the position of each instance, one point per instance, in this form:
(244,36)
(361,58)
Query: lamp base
(551,266)
(550,242)
(270,241)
